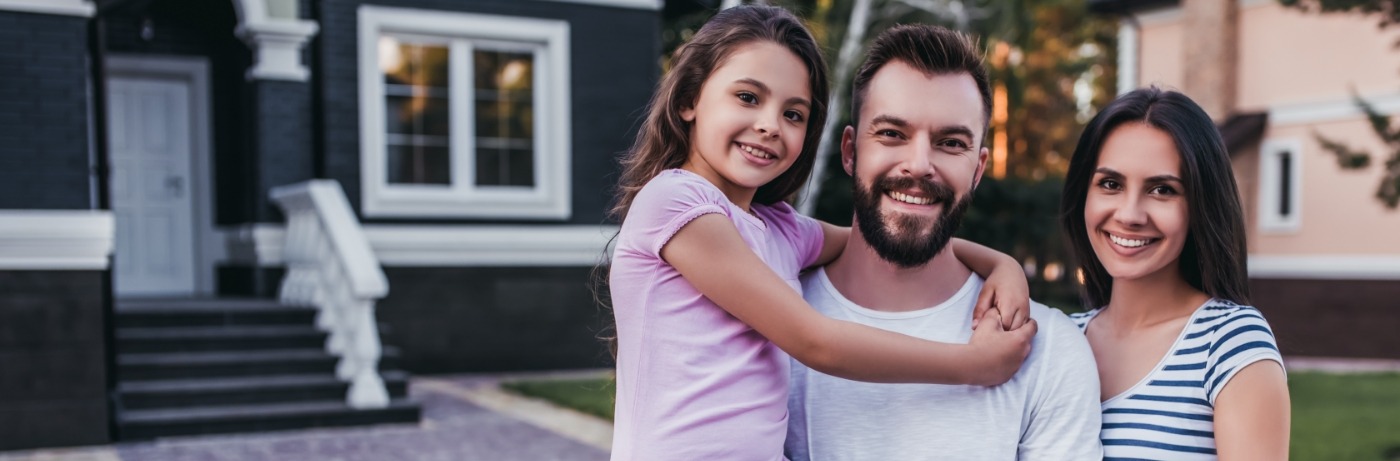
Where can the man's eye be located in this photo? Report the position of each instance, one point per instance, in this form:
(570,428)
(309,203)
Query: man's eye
(889,134)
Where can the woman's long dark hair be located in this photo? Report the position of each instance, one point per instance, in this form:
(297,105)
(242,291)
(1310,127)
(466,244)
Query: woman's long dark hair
(1213,259)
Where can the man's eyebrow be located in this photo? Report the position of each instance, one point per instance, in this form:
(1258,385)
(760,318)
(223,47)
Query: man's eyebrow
(889,120)
(762,88)
(955,129)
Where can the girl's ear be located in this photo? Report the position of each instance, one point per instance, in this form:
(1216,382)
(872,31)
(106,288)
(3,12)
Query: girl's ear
(688,114)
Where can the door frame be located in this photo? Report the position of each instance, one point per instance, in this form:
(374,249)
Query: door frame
(194,71)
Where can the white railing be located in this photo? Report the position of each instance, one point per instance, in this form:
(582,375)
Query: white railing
(330,266)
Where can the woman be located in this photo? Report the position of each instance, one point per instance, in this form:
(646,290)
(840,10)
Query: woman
(1187,369)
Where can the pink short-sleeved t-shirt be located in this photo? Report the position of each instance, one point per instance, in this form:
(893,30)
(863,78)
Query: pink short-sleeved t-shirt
(693,382)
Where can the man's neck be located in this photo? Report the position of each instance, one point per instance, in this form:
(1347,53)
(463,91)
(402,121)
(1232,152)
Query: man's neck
(863,277)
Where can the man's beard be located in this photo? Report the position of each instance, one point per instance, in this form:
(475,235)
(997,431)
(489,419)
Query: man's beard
(904,245)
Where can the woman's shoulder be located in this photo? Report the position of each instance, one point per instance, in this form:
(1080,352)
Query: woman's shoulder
(1081,319)
(1222,317)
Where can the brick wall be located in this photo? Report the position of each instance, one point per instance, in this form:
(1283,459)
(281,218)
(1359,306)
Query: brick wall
(53,369)
(43,112)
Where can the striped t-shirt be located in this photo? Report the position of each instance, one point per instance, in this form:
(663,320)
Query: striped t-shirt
(1170,413)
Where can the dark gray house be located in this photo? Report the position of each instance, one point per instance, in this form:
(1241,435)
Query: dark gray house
(176,252)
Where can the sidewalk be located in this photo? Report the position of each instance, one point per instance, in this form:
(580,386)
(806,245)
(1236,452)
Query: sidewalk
(465,417)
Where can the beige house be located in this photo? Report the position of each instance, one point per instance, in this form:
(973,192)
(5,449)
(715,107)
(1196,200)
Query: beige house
(1324,253)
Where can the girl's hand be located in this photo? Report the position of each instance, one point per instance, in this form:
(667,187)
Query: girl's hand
(1007,293)
(998,353)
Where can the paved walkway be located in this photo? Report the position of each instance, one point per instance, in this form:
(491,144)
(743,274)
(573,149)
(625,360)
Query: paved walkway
(465,417)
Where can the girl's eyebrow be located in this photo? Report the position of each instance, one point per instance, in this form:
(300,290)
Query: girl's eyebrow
(762,88)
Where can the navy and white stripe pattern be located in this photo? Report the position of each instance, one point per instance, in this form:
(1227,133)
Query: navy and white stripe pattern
(1170,415)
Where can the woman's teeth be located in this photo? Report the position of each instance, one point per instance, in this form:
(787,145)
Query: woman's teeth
(756,152)
(1127,242)
(906,198)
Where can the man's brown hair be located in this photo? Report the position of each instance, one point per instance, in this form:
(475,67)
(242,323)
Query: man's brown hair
(932,50)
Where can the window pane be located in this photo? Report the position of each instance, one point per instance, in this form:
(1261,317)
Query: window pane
(504,101)
(510,166)
(409,164)
(416,115)
(407,63)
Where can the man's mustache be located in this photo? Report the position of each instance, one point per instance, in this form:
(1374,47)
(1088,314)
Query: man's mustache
(939,192)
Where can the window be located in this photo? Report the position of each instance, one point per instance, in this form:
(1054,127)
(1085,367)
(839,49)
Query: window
(1280,186)
(463,115)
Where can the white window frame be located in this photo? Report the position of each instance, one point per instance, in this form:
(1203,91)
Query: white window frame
(1270,221)
(549,199)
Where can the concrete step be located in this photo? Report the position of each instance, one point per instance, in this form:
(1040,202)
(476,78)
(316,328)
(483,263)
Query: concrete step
(150,424)
(218,338)
(228,391)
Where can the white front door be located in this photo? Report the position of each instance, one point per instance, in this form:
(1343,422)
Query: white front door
(149,131)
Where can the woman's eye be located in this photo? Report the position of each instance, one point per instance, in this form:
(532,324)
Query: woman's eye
(1108,184)
(748,98)
(1163,190)
(794,116)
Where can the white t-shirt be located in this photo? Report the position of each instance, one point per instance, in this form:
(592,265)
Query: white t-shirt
(1048,411)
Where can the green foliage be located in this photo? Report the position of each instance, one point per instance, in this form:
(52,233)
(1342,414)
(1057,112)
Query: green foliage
(1388,11)
(1020,217)
(1345,417)
(592,396)
(1350,158)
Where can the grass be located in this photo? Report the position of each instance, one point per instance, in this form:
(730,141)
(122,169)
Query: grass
(1345,417)
(1336,417)
(592,396)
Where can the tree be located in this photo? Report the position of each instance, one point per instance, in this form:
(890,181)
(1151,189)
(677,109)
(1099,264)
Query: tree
(1388,13)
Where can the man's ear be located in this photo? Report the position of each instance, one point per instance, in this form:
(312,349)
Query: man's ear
(848,150)
(981,167)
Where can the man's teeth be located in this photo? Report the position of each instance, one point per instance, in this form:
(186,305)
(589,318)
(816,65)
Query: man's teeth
(1127,242)
(756,152)
(906,198)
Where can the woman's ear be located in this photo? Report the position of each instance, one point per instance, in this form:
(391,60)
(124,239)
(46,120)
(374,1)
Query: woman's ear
(688,114)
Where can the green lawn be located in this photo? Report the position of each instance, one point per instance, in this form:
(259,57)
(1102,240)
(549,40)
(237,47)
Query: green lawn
(1335,417)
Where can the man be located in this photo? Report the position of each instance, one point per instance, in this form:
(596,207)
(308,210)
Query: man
(921,107)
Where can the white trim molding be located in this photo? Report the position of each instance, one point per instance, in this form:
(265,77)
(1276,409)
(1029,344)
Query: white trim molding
(276,42)
(1128,48)
(1330,111)
(56,239)
(82,8)
(650,5)
(255,244)
(549,198)
(491,246)
(1326,267)
(1271,183)
(445,245)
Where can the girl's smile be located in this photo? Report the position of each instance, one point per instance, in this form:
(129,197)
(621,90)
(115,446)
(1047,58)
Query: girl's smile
(748,125)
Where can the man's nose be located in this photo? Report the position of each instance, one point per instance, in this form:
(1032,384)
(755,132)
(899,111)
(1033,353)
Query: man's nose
(918,161)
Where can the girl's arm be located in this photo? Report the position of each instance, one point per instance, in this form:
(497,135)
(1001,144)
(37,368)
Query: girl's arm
(1252,414)
(712,256)
(834,240)
(1005,288)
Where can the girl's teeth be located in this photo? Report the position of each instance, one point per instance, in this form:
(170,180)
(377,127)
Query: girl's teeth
(906,198)
(1127,242)
(755,152)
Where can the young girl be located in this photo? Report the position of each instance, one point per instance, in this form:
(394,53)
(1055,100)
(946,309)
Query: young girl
(704,272)
(1187,370)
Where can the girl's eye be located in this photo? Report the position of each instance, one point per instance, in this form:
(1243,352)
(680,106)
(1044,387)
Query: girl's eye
(748,98)
(794,116)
